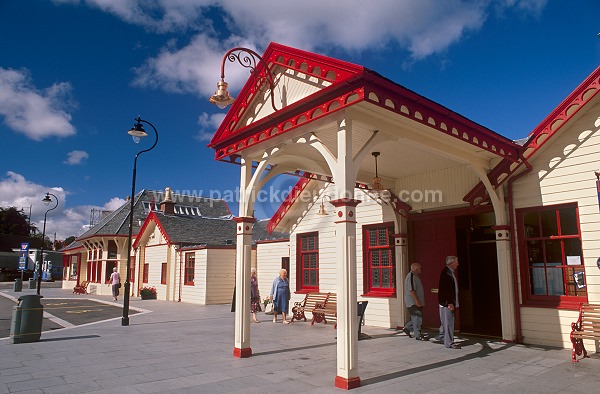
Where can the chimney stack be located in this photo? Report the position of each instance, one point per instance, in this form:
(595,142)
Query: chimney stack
(167,206)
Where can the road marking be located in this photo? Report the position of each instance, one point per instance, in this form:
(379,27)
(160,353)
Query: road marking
(58,320)
(85,311)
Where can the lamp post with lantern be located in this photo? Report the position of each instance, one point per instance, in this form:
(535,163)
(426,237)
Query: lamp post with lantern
(137,133)
(47,200)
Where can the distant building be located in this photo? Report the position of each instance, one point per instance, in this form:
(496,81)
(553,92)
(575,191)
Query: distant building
(182,245)
(94,254)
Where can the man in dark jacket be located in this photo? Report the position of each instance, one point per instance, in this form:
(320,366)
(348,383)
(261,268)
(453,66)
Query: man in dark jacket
(448,300)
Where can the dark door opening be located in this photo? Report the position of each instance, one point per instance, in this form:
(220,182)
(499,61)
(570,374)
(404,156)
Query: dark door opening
(472,239)
(479,293)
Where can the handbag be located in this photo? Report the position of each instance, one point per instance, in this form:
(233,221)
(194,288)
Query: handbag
(270,308)
(119,285)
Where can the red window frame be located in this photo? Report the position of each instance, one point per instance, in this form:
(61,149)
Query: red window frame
(190,266)
(98,271)
(73,270)
(132,269)
(163,274)
(379,260)
(543,250)
(307,262)
(145,273)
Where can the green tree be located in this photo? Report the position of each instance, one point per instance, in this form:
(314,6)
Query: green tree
(14,222)
(69,240)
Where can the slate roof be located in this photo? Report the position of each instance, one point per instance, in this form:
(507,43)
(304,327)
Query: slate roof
(194,230)
(117,222)
(260,232)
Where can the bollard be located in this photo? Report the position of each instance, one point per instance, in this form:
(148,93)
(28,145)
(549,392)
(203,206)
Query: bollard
(26,324)
(18,286)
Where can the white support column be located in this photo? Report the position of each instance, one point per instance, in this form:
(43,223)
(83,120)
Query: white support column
(243,257)
(345,229)
(505,277)
(402,268)
(507,295)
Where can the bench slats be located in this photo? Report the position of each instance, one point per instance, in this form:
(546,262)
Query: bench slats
(81,288)
(310,301)
(327,311)
(586,327)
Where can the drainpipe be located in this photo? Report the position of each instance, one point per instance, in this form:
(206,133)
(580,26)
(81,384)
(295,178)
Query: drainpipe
(180,260)
(513,248)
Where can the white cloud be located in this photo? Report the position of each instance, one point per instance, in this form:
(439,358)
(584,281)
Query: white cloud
(208,125)
(114,203)
(16,191)
(422,27)
(36,113)
(76,157)
(191,69)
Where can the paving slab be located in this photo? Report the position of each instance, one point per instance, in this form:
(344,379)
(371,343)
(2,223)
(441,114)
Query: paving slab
(186,348)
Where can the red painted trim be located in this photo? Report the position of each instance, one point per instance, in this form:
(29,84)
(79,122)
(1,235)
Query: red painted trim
(546,301)
(299,268)
(501,227)
(345,202)
(347,384)
(244,219)
(242,353)
(352,84)
(401,207)
(152,217)
(400,235)
(563,113)
(277,55)
(287,203)
(366,270)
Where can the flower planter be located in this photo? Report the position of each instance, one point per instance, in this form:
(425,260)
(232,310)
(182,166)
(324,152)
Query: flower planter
(148,296)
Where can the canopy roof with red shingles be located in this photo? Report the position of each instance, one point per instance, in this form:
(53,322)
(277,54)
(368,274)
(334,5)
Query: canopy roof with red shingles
(340,85)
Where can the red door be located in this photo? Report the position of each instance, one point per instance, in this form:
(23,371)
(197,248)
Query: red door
(433,240)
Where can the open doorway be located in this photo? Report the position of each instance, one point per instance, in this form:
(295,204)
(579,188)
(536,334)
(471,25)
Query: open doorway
(471,238)
(478,275)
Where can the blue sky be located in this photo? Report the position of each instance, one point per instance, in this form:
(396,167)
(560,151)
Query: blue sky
(75,73)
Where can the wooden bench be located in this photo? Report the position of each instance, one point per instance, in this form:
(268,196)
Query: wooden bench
(586,327)
(326,311)
(81,288)
(309,303)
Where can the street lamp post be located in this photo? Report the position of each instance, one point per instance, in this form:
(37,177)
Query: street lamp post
(47,200)
(137,133)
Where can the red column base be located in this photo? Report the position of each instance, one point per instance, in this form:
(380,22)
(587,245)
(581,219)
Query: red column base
(242,353)
(347,384)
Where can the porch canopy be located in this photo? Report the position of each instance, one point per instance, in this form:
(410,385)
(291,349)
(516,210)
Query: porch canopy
(326,117)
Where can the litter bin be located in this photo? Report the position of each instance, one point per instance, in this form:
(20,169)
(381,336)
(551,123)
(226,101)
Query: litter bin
(26,324)
(31,283)
(18,285)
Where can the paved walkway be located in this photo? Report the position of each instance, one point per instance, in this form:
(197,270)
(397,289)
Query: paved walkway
(185,348)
